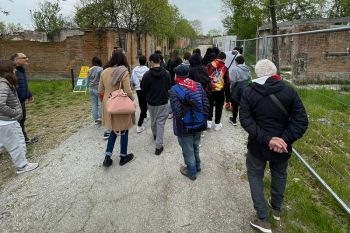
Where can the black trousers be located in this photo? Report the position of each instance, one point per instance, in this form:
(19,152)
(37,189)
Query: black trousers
(21,122)
(217,99)
(143,106)
(235,106)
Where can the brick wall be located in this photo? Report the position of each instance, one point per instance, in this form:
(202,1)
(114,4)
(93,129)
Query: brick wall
(56,59)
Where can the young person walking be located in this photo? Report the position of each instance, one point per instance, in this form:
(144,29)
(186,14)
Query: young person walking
(188,99)
(240,78)
(115,76)
(93,77)
(156,84)
(136,78)
(12,138)
(220,85)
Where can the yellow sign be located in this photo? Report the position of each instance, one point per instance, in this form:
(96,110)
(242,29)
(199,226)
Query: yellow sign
(83,72)
(81,84)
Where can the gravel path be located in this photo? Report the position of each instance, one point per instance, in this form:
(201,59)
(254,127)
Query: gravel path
(72,192)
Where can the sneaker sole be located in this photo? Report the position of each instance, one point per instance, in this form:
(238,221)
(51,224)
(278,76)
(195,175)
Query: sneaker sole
(129,161)
(260,228)
(23,171)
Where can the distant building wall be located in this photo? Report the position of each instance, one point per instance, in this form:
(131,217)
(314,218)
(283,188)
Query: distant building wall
(319,57)
(76,48)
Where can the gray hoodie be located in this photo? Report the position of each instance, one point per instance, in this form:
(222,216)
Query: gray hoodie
(240,73)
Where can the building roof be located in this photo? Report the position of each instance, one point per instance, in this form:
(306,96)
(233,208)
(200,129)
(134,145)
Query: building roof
(345,20)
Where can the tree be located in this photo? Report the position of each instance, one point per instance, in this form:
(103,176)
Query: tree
(197,26)
(214,32)
(339,8)
(48,18)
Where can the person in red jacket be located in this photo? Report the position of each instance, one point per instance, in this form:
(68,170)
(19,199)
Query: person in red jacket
(220,85)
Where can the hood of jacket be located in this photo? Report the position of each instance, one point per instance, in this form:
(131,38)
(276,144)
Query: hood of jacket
(118,74)
(271,86)
(140,71)
(243,67)
(158,72)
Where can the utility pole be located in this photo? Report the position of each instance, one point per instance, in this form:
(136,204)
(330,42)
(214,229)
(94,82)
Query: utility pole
(275,55)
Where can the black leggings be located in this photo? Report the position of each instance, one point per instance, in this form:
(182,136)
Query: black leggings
(143,106)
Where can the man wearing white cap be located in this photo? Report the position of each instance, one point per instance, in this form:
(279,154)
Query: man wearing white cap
(274,117)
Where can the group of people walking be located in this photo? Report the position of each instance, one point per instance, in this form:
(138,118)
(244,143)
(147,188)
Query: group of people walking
(189,90)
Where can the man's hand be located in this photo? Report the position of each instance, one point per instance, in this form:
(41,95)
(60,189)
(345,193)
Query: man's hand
(30,100)
(278,145)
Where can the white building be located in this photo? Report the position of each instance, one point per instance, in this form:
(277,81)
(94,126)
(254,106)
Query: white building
(225,43)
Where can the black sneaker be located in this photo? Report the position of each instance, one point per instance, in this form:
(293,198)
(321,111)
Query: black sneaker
(108,161)
(276,214)
(233,122)
(154,137)
(106,135)
(199,169)
(261,225)
(125,159)
(159,151)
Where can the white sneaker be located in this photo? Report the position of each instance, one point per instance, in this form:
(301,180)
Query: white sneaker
(139,129)
(170,116)
(209,124)
(27,168)
(218,127)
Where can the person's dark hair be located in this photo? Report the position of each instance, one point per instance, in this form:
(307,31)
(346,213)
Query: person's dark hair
(187,55)
(239,59)
(118,59)
(142,60)
(209,51)
(239,49)
(13,56)
(221,56)
(175,54)
(160,55)
(96,61)
(6,71)
(197,50)
(216,50)
(155,58)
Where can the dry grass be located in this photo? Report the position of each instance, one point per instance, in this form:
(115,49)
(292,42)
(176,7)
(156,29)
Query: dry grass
(55,114)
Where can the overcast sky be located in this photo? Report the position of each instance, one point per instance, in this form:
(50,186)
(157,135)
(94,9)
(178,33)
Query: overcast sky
(207,11)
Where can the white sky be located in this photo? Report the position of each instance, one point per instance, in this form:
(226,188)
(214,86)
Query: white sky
(207,11)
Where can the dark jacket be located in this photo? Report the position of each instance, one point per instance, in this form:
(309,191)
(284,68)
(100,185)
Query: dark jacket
(156,84)
(262,119)
(200,74)
(172,64)
(176,106)
(22,84)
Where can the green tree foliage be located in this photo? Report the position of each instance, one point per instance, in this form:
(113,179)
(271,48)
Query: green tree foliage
(148,16)
(48,18)
(244,17)
(339,8)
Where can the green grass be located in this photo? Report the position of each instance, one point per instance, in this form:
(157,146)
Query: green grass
(55,114)
(308,207)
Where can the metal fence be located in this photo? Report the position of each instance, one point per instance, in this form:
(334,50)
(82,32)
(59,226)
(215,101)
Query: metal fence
(317,64)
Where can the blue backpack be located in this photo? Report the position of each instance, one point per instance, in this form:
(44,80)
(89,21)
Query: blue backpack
(193,116)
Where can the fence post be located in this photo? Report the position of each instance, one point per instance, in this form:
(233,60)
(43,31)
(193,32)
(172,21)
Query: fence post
(72,76)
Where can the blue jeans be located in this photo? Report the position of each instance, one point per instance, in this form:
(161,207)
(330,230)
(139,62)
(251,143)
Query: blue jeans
(123,143)
(190,152)
(95,109)
(255,169)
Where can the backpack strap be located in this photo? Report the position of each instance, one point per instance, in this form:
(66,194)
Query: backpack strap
(279,104)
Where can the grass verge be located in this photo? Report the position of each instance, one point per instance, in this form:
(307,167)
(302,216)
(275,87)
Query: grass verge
(55,114)
(308,207)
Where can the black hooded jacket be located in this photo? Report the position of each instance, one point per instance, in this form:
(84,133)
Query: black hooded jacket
(156,84)
(263,119)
